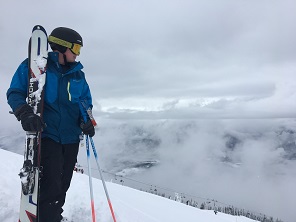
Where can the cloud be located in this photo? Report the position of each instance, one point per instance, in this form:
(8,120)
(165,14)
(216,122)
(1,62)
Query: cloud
(169,50)
(233,161)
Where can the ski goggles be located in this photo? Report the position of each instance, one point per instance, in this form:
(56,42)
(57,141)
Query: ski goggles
(74,47)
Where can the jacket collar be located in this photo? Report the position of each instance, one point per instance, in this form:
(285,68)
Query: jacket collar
(54,57)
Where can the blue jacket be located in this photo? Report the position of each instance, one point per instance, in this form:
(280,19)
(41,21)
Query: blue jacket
(64,92)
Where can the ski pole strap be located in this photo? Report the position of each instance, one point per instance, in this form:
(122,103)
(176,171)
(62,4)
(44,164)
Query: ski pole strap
(90,115)
(88,111)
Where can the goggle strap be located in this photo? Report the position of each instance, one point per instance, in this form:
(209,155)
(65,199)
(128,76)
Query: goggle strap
(60,41)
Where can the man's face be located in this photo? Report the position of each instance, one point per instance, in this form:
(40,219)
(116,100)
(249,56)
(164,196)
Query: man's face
(71,57)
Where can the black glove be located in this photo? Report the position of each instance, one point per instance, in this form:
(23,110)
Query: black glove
(88,128)
(29,120)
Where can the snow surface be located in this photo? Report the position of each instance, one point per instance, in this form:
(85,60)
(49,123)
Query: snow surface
(130,205)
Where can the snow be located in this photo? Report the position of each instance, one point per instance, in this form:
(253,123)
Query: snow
(40,77)
(130,205)
(41,61)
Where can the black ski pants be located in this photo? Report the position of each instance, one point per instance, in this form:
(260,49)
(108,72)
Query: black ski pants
(58,161)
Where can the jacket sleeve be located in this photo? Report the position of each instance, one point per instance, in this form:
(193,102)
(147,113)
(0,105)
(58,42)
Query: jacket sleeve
(85,101)
(17,92)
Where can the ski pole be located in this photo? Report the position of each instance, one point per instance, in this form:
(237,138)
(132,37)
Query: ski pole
(102,178)
(89,113)
(90,180)
(89,170)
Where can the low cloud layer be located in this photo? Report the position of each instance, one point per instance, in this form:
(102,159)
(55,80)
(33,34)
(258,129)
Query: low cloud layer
(233,161)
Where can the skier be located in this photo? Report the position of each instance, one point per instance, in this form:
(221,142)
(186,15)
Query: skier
(62,123)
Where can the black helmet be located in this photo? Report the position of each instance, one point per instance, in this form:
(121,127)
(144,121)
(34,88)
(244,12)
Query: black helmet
(62,38)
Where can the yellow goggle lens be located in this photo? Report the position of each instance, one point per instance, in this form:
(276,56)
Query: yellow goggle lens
(75,48)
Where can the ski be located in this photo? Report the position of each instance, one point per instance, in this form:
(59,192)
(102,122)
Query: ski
(30,173)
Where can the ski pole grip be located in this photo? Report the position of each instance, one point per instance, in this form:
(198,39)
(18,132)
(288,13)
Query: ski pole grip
(89,113)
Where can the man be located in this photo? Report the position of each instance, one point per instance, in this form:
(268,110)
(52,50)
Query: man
(62,124)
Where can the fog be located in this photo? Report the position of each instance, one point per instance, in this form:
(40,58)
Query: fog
(246,163)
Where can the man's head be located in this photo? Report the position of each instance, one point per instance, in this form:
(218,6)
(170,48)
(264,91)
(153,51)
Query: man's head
(62,38)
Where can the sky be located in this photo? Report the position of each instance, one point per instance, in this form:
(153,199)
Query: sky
(129,205)
(170,59)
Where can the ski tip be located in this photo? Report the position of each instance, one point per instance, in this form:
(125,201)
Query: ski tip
(39,27)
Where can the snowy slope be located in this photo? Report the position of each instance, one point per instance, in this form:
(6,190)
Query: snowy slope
(130,205)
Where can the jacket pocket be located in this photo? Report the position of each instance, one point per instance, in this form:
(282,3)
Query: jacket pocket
(74,88)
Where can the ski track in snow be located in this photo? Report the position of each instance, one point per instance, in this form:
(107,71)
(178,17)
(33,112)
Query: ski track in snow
(138,216)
